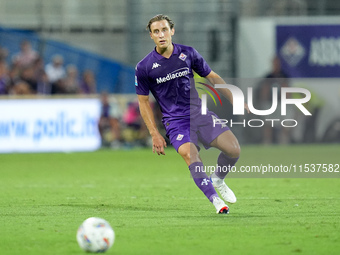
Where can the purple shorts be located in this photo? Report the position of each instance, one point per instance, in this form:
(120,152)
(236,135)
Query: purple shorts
(197,128)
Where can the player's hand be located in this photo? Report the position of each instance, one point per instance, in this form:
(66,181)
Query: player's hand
(158,144)
(246,107)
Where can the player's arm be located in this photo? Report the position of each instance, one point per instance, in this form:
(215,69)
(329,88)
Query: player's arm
(158,142)
(214,78)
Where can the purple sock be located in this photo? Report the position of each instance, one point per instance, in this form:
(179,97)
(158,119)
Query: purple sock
(202,180)
(225,163)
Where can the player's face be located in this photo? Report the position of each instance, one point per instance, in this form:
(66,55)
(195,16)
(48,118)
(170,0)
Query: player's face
(161,34)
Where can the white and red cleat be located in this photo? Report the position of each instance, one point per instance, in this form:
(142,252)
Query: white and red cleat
(226,193)
(221,207)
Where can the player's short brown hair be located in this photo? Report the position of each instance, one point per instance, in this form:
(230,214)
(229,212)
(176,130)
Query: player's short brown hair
(160,17)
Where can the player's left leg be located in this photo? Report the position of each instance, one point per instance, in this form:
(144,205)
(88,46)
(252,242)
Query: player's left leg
(190,154)
(230,151)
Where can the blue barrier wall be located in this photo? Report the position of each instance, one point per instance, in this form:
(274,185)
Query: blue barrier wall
(111,76)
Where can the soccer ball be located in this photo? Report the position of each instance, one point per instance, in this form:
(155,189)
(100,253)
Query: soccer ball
(95,235)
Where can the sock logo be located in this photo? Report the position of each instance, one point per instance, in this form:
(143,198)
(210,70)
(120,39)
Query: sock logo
(205,182)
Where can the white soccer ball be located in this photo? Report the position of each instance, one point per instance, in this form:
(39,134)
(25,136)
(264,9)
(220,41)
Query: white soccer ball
(95,235)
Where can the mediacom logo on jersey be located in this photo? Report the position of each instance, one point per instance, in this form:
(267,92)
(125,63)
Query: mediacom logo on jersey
(173,75)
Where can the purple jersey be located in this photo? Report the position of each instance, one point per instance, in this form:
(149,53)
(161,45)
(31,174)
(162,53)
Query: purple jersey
(169,80)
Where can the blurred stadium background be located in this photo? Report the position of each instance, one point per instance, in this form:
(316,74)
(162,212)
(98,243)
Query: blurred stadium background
(238,38)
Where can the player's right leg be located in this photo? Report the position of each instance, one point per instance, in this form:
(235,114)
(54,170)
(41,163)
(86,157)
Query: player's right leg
(190,154)
(230,152)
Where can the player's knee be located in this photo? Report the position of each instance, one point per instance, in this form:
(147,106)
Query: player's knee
(190,157)
(233,152)
(236,152)
(185,156)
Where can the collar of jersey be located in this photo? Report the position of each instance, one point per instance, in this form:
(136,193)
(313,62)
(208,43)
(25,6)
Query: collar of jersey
(159,56)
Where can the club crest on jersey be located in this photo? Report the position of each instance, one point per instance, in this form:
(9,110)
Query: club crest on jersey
(182,56)
(179,137)
(155,65)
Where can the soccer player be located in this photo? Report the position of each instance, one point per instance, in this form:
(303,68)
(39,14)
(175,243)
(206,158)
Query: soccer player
(167,72)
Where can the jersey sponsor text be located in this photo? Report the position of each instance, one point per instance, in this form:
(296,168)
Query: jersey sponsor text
(175,74)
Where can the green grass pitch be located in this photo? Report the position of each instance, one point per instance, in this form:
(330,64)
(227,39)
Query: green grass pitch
(155,208)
